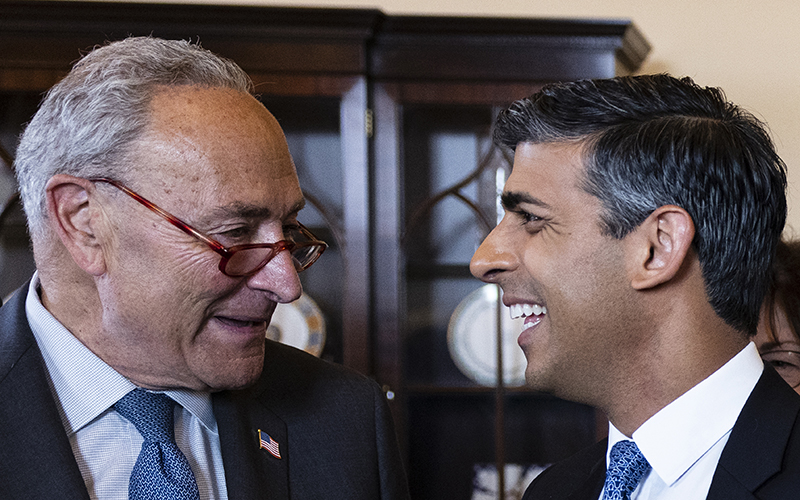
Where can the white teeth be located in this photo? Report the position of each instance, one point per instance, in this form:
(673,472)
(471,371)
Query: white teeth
(522,310)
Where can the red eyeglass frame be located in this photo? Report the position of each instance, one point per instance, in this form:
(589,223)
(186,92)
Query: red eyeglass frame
(226,253)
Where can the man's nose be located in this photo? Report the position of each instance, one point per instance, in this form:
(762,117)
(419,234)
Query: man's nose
(279,277)
(492,257)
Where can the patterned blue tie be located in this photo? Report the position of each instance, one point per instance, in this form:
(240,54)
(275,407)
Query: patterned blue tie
(627,466)
(161,472)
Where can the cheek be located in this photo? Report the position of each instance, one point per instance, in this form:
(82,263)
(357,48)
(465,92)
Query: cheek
(583,287)
(565,273)
(169,281)
(160,250)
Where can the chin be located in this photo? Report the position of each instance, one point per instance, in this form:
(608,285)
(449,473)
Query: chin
(235,376)
(539,381)
(242,382)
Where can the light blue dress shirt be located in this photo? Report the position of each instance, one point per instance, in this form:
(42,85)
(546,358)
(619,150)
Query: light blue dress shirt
(105,444)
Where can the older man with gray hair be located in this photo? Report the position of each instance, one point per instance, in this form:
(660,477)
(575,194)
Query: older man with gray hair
(163,203)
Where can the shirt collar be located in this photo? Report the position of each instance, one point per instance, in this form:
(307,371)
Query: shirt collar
(682,432)
(83,385)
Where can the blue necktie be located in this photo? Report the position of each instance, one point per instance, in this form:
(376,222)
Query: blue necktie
(625,470)
(161,471)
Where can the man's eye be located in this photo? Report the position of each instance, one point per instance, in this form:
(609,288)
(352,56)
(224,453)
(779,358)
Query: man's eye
(783,364)
(782,360)
(235,233)
(527,217)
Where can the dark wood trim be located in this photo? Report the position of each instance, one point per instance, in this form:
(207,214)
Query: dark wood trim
(119,18)
(475,48)
(357,335)
(288,84)
(459,92)
(387,270)
(46,35)
(50,35)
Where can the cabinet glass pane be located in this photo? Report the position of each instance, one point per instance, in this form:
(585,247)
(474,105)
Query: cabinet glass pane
(312,129)
(449,168)
(460,425)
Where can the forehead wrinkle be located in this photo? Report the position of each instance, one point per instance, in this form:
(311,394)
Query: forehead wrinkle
(238,209)
(512,199)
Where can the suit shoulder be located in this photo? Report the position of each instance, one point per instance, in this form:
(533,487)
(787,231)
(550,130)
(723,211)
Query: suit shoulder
(762,454)
(291,375)
(584,470)
(283,361)
(16,338)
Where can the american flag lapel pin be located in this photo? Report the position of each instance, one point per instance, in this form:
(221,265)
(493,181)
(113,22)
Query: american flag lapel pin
(267,443)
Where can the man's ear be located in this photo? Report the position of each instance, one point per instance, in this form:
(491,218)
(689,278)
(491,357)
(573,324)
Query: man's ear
(663,241)
(71,217)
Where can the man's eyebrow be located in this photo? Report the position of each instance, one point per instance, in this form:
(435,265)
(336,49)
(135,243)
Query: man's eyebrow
(249,211)
(776,346)
(512,199)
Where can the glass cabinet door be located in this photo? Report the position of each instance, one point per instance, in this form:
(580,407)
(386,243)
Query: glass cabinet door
(312,129)
(327,139)
(471,427)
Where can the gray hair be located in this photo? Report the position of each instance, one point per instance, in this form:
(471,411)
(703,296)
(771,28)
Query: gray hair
(87,121)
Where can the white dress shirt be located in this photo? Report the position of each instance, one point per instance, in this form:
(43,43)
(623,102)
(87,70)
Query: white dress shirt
(104,443)
(684,440)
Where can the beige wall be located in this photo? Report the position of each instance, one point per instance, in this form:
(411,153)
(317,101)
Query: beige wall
(750,49)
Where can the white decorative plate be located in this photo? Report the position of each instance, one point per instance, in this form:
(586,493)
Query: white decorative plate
(472,339)
(299,324)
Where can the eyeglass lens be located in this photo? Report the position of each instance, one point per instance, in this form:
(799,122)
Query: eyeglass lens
(248,260)
(303,251)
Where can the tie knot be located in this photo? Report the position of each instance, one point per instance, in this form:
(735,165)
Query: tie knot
(626,467)
(150,412)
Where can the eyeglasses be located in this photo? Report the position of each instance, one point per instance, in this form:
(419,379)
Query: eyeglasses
(241,260)
(786,363)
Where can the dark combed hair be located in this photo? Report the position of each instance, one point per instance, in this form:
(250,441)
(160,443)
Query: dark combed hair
(656,140)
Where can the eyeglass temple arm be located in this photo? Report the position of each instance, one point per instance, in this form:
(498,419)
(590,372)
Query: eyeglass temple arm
(186,228)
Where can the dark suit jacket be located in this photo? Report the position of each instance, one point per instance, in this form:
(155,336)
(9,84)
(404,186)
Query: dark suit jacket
(760,461)
(333,427)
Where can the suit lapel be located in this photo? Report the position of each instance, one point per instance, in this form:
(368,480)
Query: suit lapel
(591,488)
(755,450)
(727,487)
(36,459)
(251,472)
(579,477)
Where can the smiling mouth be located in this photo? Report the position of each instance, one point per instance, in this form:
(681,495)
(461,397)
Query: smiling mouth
(526,310)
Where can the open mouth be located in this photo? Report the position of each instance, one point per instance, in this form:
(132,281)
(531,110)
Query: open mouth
(532,314)
(526,310)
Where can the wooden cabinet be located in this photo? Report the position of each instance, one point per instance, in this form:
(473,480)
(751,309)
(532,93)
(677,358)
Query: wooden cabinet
(388,119)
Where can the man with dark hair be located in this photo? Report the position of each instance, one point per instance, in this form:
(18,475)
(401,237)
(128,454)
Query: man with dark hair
(642,214)
(162,204)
